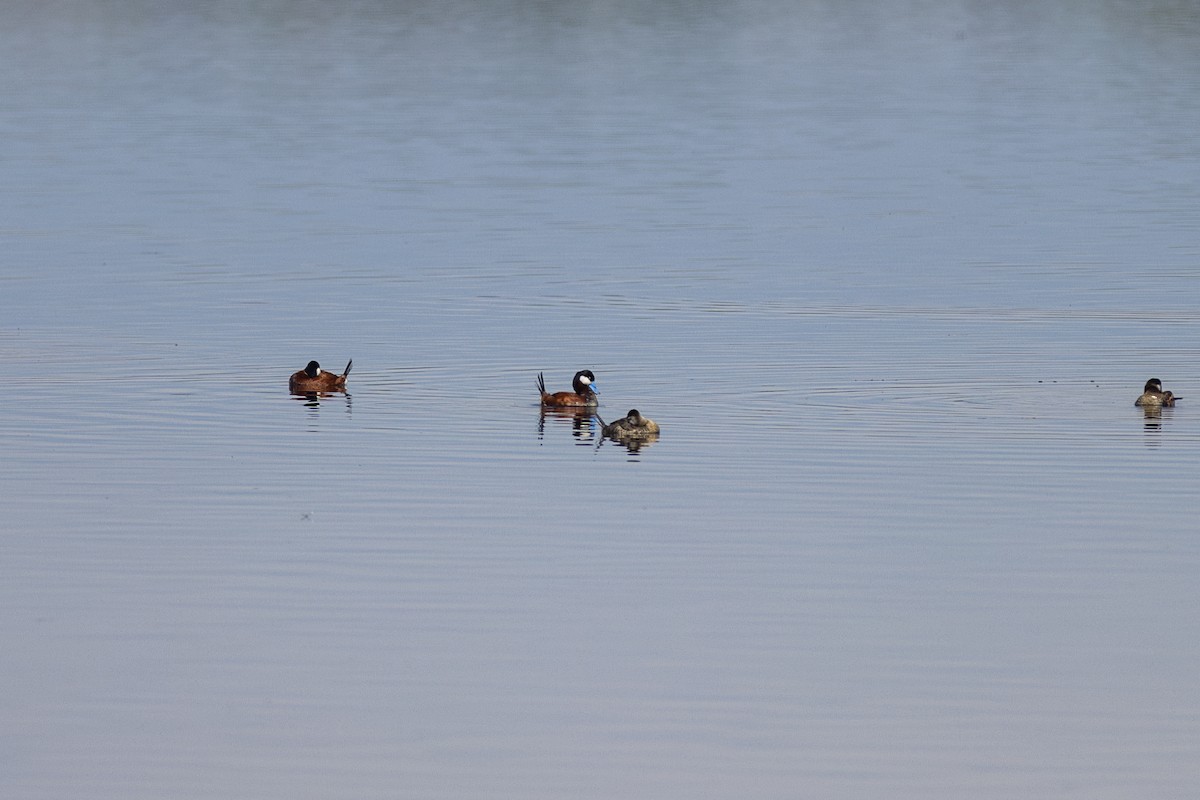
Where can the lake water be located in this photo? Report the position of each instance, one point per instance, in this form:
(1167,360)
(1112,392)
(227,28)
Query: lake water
(889,276)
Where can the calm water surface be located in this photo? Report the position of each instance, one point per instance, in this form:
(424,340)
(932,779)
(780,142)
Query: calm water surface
(888,276)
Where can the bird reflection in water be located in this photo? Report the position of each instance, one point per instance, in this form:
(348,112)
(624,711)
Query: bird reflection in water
(579,418)
(1152,417)
(312,400)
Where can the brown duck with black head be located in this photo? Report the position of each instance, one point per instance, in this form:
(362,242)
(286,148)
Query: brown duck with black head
(314,379)
(583,394)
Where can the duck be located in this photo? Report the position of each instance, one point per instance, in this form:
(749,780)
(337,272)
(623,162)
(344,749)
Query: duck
(584,393)
(1153,396)
(632,426)
(314,379)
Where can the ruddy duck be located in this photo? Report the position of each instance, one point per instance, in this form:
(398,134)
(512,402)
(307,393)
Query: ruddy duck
(1153,395)
(314,379)
(584,394)
(632,426)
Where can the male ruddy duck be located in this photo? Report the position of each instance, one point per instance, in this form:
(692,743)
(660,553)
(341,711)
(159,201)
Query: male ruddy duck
(632,426)
(1153,396)
(314,379)
(584,394)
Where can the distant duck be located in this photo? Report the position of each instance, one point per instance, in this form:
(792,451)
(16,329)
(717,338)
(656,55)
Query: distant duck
(632,426)
(1153,396)
(314,379)
(584,393)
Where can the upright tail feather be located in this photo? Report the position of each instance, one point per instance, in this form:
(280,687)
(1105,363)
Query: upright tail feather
(348,366)
(541,384)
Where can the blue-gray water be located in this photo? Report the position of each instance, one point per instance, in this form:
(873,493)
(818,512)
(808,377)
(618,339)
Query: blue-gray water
(889,276)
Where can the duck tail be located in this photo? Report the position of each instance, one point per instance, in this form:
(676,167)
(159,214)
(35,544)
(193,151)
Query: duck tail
(348,366)
(541,384)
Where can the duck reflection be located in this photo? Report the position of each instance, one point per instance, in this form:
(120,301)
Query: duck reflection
(579,419)
(312,400)
(1152,416)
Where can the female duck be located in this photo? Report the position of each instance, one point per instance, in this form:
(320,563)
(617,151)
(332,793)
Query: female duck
(584,393)
(632,426)
(314,379)
(1153,396)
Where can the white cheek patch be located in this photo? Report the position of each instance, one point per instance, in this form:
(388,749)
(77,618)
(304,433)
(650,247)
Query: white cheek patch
(585,380)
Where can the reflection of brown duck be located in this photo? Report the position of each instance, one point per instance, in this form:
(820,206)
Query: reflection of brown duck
(632,426)
(584,393)
(314,379)
(1153,396)
(577,417)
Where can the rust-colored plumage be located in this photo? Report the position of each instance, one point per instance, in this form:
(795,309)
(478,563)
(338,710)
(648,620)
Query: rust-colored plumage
(314,379)
(584,394)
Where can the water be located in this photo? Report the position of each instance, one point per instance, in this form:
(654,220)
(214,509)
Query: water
(889,277)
